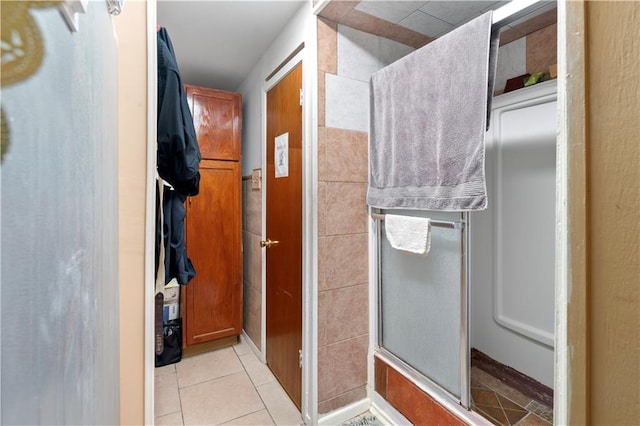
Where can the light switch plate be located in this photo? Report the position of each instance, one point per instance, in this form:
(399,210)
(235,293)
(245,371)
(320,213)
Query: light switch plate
(256,179)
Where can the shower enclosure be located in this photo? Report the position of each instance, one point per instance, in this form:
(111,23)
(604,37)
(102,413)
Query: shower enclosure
(488,280)
(513,244)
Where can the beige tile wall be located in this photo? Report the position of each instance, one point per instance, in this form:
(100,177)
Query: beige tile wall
(542,49)
(342,248)
(252,261)
(532,53)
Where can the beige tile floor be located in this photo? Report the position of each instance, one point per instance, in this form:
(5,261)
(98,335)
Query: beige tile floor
(229,386)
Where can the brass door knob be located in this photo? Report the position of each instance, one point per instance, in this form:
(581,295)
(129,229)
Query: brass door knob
(268,243)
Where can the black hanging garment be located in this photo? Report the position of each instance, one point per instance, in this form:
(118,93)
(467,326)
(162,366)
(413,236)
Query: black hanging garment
(178,160)
(178,151)
(176,263)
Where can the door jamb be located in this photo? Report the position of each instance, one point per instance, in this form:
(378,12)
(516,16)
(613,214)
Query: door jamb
(309,224)
(571,373)
(150,219)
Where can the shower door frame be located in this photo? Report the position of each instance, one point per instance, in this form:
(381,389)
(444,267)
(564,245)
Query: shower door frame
(420,380)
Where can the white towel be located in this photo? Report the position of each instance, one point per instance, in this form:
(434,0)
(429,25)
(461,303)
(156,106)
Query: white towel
(408,233)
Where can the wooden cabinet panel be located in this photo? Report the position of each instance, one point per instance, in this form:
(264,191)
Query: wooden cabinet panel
(212,303)
(217,119)
(213,299)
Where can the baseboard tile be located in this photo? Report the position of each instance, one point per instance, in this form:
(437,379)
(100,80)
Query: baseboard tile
(388,415)
(245,338)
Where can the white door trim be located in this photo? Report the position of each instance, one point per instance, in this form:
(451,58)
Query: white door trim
(307,58)
(571,375)
(150,219)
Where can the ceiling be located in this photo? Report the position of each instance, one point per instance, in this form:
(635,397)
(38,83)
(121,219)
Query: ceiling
(431,18)
(217,43)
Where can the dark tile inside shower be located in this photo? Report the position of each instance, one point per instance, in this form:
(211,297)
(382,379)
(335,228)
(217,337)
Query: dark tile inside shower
(502,404)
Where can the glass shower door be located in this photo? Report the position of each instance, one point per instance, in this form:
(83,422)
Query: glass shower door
(423,305)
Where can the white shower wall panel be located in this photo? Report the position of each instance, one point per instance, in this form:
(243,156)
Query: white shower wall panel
(347,94)
(357,54)
(512,62)
(512,242)
(347,103)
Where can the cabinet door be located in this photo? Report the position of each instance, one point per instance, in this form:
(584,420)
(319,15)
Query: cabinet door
(217,118)
(213,299)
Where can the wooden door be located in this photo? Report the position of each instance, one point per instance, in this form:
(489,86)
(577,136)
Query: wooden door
(213,298)
(284,224)
(217,119)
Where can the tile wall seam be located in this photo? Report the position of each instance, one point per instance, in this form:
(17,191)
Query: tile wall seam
(344,130)
(353,234)
(343,393)
(341,341)
(341,234)
(346,286)
(364,385)
(346,235)
(328,345)
(347,181)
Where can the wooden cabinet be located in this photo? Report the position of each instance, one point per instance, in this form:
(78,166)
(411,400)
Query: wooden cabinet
(217,119)
(212,301)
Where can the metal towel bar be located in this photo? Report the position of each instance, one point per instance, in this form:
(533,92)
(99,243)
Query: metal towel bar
(458,224)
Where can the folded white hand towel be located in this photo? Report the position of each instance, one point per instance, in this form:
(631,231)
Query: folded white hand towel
(408,233)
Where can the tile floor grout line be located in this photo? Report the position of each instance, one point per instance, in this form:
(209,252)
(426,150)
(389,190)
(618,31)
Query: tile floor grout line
(502,408)
(490,417)
(167,414)
(180,398)
(175,371)
(255,387)
(526,409)
(210,380)
(265,406)
(247,414)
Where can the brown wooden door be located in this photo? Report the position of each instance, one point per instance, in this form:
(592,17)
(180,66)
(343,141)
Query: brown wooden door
(284,224)
(213,298)
(216,116)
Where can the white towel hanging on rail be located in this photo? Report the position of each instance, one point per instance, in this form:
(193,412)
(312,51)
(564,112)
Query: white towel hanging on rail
(408,233)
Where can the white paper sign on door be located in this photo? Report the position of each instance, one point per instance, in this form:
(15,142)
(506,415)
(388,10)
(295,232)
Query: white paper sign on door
(281,155)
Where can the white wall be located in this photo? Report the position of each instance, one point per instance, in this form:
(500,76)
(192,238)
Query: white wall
(512,242)
(299,29)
